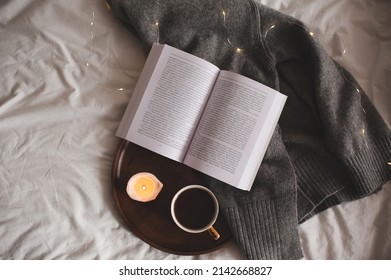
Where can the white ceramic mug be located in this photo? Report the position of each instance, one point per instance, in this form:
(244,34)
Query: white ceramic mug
(195,209)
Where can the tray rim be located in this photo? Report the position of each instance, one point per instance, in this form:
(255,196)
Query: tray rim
(120,150)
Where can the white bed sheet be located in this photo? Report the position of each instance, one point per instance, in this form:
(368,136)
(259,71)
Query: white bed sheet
(68,69)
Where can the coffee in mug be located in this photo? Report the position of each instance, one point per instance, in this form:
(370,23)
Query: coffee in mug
(195,209)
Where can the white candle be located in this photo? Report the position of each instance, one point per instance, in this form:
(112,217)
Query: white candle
(143,187)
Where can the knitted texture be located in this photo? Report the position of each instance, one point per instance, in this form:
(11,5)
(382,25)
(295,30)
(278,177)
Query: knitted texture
(330,146)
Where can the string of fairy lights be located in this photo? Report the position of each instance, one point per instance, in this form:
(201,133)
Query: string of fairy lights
(89,65)
(362,130)
(238,50)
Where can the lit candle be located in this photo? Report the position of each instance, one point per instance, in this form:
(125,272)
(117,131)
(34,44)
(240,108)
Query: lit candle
(143,187)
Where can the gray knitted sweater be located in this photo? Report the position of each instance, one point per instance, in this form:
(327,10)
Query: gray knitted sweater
(330,146)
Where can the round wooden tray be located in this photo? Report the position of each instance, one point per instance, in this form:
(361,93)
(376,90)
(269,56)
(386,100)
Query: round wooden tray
(152,221)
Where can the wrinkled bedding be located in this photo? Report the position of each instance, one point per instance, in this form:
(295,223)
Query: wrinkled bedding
(68,69)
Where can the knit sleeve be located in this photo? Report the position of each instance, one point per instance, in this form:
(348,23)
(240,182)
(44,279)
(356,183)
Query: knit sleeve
(264,221)
(335,137)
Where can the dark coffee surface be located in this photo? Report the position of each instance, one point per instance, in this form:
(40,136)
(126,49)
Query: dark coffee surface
(194,208)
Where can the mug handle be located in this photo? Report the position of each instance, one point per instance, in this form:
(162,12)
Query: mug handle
(214,233)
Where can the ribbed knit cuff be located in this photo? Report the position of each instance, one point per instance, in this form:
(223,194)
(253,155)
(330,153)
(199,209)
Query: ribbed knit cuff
(319,177)
(324,182)
(371,167)
(266,229)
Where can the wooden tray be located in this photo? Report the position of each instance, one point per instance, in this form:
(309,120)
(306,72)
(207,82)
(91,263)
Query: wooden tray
(152,221)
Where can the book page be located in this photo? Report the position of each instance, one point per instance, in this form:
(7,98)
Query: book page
(235,130)
(142,83)
(172,102)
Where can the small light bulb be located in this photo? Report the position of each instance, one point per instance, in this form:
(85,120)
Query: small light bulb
(238,50)
(108,6)
(311,33)
(157,23)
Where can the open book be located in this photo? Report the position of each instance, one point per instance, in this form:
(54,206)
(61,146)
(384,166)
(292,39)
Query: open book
(187,109)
